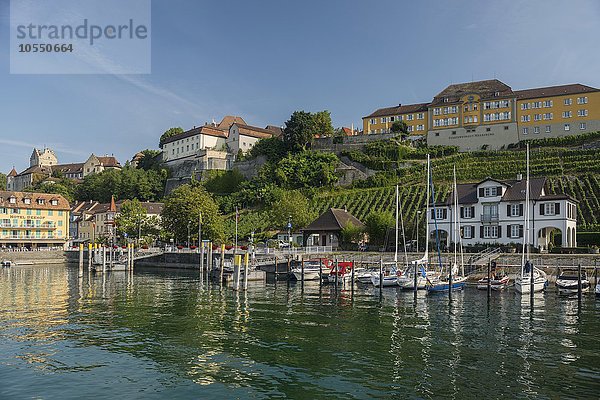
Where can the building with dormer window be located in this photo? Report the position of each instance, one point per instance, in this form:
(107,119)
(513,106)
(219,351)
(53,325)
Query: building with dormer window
(492,212)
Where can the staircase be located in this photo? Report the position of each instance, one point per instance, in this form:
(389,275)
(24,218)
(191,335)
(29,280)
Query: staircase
(478,260)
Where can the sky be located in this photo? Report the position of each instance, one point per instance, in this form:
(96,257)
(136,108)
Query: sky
(264,59)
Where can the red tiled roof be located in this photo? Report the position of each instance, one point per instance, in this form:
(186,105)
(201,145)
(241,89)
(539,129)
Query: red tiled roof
(398,110)
(485,89)
(254,131)
(5,196)
(109,161)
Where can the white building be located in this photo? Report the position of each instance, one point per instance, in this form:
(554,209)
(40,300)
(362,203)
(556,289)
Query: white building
(492,212)
(244,137)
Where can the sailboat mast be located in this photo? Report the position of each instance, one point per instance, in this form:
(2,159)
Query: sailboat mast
(454,215)
(396,247)
(527,200)
(403,236)
(427,212)
(526,214)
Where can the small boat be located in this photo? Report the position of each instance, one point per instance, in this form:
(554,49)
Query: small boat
(567,282)
(311,270)
(443,285)
(364,276)
(391,279)
(343,272)
(498,282)
(523,282)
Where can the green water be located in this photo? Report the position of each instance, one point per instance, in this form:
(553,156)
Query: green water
(168,335)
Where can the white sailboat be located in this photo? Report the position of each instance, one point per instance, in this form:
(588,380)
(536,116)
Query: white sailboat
(406,281)
(530,276)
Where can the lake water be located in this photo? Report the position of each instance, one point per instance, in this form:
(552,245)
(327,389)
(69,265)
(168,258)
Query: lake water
(169,335)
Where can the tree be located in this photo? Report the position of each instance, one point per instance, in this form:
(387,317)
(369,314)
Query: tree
(63,186)
(133,220)
(272,148)
(168,133)
(399,127)
(128,183)
(351,235)
(290,203)
(378,224)
(2,181)
(150,160)
(299,131)
(323,125)
(183,208)
(305,170)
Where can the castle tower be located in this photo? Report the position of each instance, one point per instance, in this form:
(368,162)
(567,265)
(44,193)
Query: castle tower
(43,158)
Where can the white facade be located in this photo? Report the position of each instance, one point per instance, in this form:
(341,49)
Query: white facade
(494,214)
(188,147)
(244,137)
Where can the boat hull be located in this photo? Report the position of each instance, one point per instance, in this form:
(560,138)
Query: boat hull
(495,284)
(309,274)
(523,286)
(388,281)
(570,287)
(443,286)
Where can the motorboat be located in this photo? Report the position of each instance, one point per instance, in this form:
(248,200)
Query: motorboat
(497,282)
(343,271)
(312,268)
(568,282)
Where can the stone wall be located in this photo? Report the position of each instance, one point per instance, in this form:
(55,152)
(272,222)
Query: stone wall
(249,168)
(34,257)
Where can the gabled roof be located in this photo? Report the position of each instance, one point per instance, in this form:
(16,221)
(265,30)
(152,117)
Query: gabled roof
(253,131)
(575,88)
(277,130)
(109,161)
(398,110)
(485,89)
(37,170)
(229,120)
(208,130)
(73,168)
(333,220)
(515,191)
(13,172)
(5,196)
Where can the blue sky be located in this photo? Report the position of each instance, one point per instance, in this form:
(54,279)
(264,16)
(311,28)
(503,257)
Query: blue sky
(264,59)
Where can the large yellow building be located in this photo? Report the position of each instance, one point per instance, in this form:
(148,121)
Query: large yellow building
(490,115)
(33,220)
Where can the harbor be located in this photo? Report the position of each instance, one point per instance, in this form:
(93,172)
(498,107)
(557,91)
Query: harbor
(161,333)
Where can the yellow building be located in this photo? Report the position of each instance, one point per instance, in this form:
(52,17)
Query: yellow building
(490,115)
(33,220)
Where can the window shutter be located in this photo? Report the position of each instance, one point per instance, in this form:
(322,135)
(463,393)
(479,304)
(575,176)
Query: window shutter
(499,191)
(556,208)
(472,232)
(541,209)
(508,210)
(462,212)
(432,214)
(445,213)
(472,212)
(520,210)
(520,231)
(481,192)
(481,231)
(499,231)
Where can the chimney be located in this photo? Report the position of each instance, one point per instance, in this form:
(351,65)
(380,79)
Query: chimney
(519,177)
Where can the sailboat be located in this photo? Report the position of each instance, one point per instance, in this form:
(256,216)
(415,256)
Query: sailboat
(391,277)
(530,276)
(407,280)
(453,281)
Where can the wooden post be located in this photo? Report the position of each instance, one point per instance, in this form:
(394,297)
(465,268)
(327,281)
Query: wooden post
(380,276)
(302,270)
(201,244)
(103,259)
(320,272)
(81,259)
(531,283)
(246,270)
(289,267)
(415,278)
(489,277)
(579,282)
(352,271)
(450,280)
(222,264)
(90,256)
(336,272)
(237,266)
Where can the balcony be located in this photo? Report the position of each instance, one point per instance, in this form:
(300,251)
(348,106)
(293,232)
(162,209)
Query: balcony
(489,218)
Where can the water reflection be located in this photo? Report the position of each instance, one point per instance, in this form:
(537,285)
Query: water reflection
(176,333)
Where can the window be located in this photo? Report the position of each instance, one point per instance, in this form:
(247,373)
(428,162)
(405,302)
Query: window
(525,118)
(525,131)
(536,129)
(582,113)
(516,210)
(409,117)
(566,114)
(467,232)
(440,213)
(467,212)
(582,100)
(436,111)
(13,200)
(516,231)
(27,201)
(524,106)
(54,202)
(582,125)
(29,212)
(491,191)
(549,209)
(548,129)
(454,132)
(437,134)
(548,103)
(392,119)
(567,127)
(548,116)
(420,116)
(537,104)
(490,232)
(383,120)
(568,102)
(537,117)
(372,121)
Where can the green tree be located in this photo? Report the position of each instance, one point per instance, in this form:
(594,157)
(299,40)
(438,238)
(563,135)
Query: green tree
(272,148)
(168,133)
(2,181)
(323,125)
(399,127)
(351,235)
(290,203)
(299,131)
(150,160)
(183,208)
(133,220)
(378,223)
(223,182)
(128,183)
(63,186)
(305,170)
